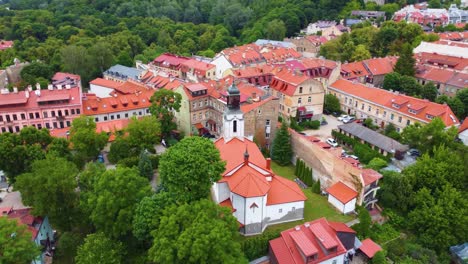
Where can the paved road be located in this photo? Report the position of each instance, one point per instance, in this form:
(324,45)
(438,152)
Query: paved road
(325,131)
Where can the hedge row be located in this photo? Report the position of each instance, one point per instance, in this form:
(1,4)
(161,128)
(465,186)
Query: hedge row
(133,161)
(363,151)
(304,173)
(256,247)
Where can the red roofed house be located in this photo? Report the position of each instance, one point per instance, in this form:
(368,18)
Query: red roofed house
(300,96)
(309,46)
(342,197)
(463,132)
(103,87)
(369,248)
(378,68)
(257,197)
(196,70)
(386,107)
(316,242)
(54,107)
(39,227)
(169,63)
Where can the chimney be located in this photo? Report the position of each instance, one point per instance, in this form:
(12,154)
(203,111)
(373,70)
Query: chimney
(15,89)
(26,93)
(38,86)
(30,88)
(59,87)
(67,86)
(268,164)
(50,87)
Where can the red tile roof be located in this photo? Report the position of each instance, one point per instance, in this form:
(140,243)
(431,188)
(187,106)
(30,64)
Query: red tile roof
(453,35)
(232,152)
(199,67)
(342,192)
(24,216)
(380,66)
(459,80)
(457,63)
(311,238)
(105,83)
(387,99)
(169,60)
(259,70)
(6,44)
(247,183)
(369,247)
(341,227)
(130,87)
(353,70)
(227,203)
(247,107)
(286,81)
(64,75)
(452,43)
(93,105)
(370,176)
(284,191)
(436,74)
(464,126)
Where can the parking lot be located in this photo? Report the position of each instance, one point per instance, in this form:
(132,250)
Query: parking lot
(325,131)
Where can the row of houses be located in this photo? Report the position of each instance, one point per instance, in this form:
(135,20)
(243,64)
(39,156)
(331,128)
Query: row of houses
(422,15)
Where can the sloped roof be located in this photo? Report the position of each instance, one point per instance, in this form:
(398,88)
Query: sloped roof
(380,66)
(369,176)
(464,125)
(105,83)
(374,138)
(341,227)
(386,99)
(284,191)
(342,192)
(124,71)
(369,247)
(232,152)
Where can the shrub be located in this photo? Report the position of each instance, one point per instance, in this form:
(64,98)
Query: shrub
(154,161)
(128,162)
(257,246)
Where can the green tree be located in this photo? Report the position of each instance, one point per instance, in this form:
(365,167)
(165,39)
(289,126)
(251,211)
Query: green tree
(377,164)
(33,71)
(59,202)
(97,248)
(410,86)
(463,96)
(392,81)
(60,147)
(332,104)
(113,200)
(145,167)
(148,214)
(163,104)
(16,243)
(201,232)
(360,53)
(120,149)
(67,246)
(281,150)
(275,30)
(379,258)
(406,62)
(86,141)
(188,175)
(363,228)
(426,137)
(143,133)
(429,91)
(395,187)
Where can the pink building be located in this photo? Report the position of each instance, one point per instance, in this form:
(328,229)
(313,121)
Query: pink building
(54,107)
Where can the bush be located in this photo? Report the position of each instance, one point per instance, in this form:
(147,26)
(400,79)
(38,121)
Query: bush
(377,164)
(314,124)
(257,246)
(129,162)
(154,161)
(316,187)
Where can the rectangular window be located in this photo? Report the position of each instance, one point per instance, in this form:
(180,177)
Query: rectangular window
(355,104)
(118,116)
(39,126)
(362,106)
(77,111)
(399,119)
(280,210)
(73,111)
(37,115)
(1,118)
(112,117)
(139,113)
(105,118)
(267,135)
(31,116)
(194,116)
(53,113)
(369,108)
(408,122)
(55,124)
(17,128)
(126,115)
(384,113)
(267,122)
(15,117)
(194,105)
(66,112)
(392,116)
(45,114)
(68,124)
(47,125)
(309,99)
(96,119)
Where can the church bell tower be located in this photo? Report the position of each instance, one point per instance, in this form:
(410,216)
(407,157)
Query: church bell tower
(233,117)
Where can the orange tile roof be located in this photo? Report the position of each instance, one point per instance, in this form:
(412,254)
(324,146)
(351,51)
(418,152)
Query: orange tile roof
(199,67)
(64,75)
(259,70)
(286,81)
(386,99)
(341,227)
(157,81)
(380,66)
(436,74)
(459,79)
(286,248)
(245,54)
(227,203)
(278,54)
(452,43)
(105,83)
(247,107)
(284,191)
(464,126)
(232,152)
(342,192)
(369,247)
(130,87)
(247,183)
(370,176)
(112,125)
(311,63)
(353,70)
(93,105)
(432,59)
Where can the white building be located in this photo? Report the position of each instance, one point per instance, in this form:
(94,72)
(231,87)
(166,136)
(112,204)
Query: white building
(256,196)
(342,197)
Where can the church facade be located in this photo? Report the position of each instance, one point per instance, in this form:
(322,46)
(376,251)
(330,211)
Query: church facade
(257,197)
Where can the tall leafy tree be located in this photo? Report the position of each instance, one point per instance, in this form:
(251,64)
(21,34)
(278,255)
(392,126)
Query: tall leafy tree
(189,168)
(113,200)
(429,91)
(163,105)
(97,248)
(15,242)
(392,81)
(331,104)
(406,62)
(143,133)
(59,202)
(145,167)
(360,53)
(201,232)
(86,141)
(281,150)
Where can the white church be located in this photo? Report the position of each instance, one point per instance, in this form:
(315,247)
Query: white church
(257,197)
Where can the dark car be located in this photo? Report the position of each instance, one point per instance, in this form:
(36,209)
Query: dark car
(325,111)
(208,135)
(414,152)
(336,114)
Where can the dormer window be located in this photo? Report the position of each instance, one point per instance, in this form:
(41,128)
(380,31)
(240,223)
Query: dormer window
(412,111)
(428,116)
(397,106)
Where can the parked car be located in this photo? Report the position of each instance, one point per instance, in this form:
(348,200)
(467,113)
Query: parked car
(208,135)
(323,122)
(332,142)
(353,157)
(414,152)
(336,114)
(302,133)
(100,158)
(342,117)
(348,120)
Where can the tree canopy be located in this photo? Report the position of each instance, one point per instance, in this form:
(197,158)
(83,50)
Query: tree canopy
(16,243)
(86,141)
(113,199)
(281,150)
(331,103)
(200,232)
(188,175)
(406,62)
(163,105)
(60,201)
(97,248)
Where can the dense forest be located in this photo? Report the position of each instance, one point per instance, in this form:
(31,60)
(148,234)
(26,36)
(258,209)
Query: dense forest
(86,37)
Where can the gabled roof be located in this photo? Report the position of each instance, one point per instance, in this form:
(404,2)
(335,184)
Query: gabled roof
(369,247)
(341,227)
(284,191)
(169,60)
(93,105)
(386,99)
(311,238)
(464,126)
(353,70)
(232,150)
(24,216)
(286,81)
(436,75)
(247,183)
(342,192)
(380,66)
(370,176)
(105,83)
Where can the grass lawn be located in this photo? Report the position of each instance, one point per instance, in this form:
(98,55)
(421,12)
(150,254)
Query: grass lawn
(316,205)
